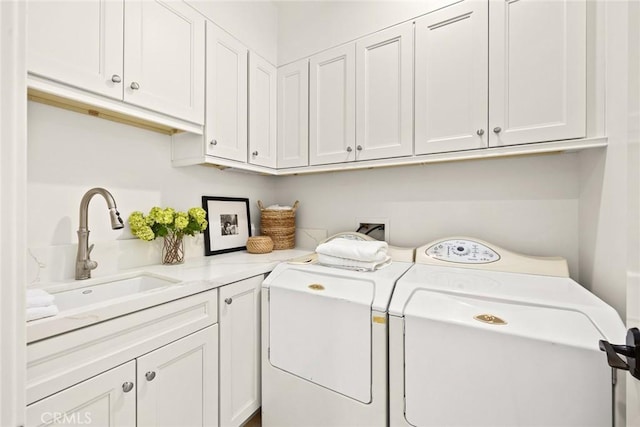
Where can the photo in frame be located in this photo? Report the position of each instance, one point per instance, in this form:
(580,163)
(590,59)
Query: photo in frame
(229,224)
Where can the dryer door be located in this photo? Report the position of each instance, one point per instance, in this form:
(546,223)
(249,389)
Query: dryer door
(320,330)
(482,362)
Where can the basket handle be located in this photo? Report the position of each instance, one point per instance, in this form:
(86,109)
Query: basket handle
(295,206)
(260,205)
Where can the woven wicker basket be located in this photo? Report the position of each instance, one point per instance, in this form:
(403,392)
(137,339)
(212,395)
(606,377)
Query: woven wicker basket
(279,225)
(259,245)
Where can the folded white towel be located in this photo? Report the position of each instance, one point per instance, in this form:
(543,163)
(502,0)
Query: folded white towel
(39,298)
(278,208)
(352,264)
(358,250)
(35,313)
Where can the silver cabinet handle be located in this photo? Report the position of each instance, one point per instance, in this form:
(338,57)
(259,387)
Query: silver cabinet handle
(255,154)
(480,132)
(116,78)
(134,86)
(228,300)
(349,149)
(213,142)
(127,387)
(497,129)
(150,375)
(359,148)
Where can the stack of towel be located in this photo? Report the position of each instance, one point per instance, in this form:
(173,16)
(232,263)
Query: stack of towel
(40,304)
(354,254)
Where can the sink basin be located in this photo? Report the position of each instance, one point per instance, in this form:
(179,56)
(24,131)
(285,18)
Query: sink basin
(108,290)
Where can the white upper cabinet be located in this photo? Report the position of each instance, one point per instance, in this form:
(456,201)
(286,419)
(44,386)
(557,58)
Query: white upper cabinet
(451,96)
(293,114)
(164,58)
(537,71)
(149,53)
(332,100)
(77,43)
(384,91)
(226,100)
(263,106)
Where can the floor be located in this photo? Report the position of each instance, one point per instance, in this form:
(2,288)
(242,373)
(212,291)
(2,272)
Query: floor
(255,421)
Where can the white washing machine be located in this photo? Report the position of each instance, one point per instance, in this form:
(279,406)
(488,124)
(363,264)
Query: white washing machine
(324,344)
(480,336)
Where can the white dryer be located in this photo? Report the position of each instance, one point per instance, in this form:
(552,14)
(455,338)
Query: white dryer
(480,336)
(324,345)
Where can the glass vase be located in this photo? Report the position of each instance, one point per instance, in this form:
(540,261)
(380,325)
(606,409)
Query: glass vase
(173,249)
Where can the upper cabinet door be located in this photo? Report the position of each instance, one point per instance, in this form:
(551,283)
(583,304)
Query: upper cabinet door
(332,99)
(263,106)
(164,58)
(78,43)
(538,71)
(226,112)
(293,114)
(384,88)
(178,383)
(451,79)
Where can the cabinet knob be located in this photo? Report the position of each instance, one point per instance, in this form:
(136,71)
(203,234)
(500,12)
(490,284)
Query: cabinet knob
(349,149)
(127,387)
(134,86)
(480,132)
(359,148)
(228,300)
(254,154)
(116,78)
(150,375)
(497,129)
(213,142)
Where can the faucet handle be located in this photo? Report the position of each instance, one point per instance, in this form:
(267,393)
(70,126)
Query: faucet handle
(90,248)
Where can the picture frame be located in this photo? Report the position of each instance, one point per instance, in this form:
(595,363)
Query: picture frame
(228,224)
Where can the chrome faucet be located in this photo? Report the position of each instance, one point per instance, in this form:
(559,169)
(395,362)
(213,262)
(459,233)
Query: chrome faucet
(84,264)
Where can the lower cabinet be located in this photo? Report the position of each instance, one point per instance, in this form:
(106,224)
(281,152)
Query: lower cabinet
(239,321)
(175,385)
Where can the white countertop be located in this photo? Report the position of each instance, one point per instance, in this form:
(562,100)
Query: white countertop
(195,275)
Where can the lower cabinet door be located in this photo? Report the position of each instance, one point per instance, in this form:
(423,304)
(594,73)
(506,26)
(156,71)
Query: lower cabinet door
(108,399)
(178,383)
(239,320)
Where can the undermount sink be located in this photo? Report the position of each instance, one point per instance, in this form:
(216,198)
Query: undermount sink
(110,289)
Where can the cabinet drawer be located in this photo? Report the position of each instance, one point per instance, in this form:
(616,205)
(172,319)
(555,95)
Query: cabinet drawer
(64,360)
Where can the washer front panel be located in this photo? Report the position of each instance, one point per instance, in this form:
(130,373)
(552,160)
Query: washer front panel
(462,251)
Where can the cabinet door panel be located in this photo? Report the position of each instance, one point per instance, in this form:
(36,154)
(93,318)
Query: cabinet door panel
(538,70)
(99,401)
(239,351)
(164,56)
(226,112)
(332,106)
(293,114)
(263,106)
(177,383)
(384,80)
(77,43)
(451,79)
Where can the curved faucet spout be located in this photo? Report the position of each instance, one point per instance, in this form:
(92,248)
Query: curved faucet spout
(84,264)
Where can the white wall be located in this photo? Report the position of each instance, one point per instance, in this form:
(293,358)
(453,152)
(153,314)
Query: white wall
(527,204)
(308,27)
(68,153)
(254,23)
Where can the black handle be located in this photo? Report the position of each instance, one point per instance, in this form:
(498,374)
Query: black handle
(631,351)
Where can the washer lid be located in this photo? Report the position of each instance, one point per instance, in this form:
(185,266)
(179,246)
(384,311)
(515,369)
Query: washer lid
(549,324)
(540,366)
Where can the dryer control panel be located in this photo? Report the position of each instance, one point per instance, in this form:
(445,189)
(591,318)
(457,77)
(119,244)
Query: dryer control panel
(462,251)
